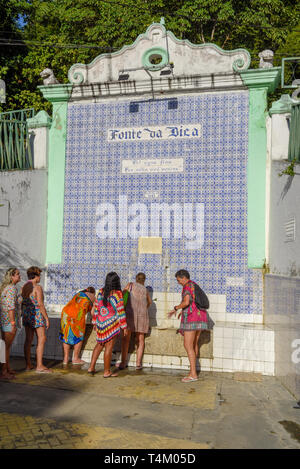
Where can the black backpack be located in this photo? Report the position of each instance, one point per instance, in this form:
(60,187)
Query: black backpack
(201,299)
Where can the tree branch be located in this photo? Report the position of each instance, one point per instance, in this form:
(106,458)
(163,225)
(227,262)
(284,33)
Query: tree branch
(202,36)
(227,37)
(213,31)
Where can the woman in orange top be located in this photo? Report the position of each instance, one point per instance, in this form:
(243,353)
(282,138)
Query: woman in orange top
(73,323)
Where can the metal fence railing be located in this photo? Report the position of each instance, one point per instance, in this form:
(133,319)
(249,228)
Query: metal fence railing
(15,145)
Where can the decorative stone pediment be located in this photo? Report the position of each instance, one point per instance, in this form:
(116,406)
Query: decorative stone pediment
(155,51)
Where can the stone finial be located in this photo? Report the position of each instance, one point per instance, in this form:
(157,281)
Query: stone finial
(266,58)
(48,77)
(282,106)
(296,93)
(41,119)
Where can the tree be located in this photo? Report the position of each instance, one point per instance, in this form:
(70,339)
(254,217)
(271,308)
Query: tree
(59,33)
(11,56)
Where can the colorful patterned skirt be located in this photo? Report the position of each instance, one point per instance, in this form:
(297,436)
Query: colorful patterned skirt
(31,314)
(193,319)
(71,330)
(72,324)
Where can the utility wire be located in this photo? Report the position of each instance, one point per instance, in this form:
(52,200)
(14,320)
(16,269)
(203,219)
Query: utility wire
(45,44)
(107,49)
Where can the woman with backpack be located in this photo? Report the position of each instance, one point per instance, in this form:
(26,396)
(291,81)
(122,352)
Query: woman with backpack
(193,319)
(108,319)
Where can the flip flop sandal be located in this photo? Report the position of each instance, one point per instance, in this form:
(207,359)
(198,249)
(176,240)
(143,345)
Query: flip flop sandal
(82,362)
(121,367)
(112,375)
(7,378)
(43,371)
(140,367)
(188,379)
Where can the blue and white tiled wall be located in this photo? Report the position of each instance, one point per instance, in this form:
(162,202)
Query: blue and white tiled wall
(215,174)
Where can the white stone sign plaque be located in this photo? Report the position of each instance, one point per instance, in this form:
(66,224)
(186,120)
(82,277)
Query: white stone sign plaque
(148,166)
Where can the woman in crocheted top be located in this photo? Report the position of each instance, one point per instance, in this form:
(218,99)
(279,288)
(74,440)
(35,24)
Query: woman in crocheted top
(108,319)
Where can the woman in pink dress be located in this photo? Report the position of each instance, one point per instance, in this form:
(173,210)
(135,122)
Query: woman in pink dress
(137,319)
(193,321)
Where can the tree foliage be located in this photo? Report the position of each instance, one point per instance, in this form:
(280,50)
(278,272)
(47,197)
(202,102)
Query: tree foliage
(59,33)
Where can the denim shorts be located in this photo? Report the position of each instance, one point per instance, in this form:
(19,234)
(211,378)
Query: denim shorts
(6,327)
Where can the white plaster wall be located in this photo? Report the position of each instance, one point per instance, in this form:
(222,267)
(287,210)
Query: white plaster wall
(280,136)
(23,241)
(284,206)
(39,142)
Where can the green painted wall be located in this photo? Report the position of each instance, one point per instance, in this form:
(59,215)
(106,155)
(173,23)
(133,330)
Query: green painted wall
(259,82)
(256,177)
(59,96)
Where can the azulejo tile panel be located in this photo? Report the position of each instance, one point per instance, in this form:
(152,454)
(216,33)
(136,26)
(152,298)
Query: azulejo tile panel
(174,168)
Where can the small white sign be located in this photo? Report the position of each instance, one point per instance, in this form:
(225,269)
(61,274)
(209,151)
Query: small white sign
(148,166)
(235,282)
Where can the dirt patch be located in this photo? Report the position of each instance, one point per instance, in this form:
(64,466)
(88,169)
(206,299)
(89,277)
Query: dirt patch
(292,428)
(247,377)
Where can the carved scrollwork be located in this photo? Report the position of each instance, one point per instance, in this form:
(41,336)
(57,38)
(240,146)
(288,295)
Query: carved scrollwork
(240,64)
(296,94)
(77,77)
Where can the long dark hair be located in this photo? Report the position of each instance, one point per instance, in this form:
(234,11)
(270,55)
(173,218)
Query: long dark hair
(112,282)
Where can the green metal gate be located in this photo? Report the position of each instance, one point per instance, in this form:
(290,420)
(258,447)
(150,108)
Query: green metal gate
(15,146)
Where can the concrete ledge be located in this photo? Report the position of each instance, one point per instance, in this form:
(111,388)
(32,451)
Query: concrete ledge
(230,347)
(163,342)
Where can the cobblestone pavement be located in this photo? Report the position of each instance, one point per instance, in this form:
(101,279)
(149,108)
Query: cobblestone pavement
(26,432)
(151,409)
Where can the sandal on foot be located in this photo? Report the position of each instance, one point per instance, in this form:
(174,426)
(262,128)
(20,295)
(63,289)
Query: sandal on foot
(112,375)
(121,367)
(139,367)
(188,379)
(7,377)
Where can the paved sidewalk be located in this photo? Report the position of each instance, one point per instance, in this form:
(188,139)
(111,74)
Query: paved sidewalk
(149,409)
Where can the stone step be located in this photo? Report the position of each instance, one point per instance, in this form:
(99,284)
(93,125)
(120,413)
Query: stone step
(163,342)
